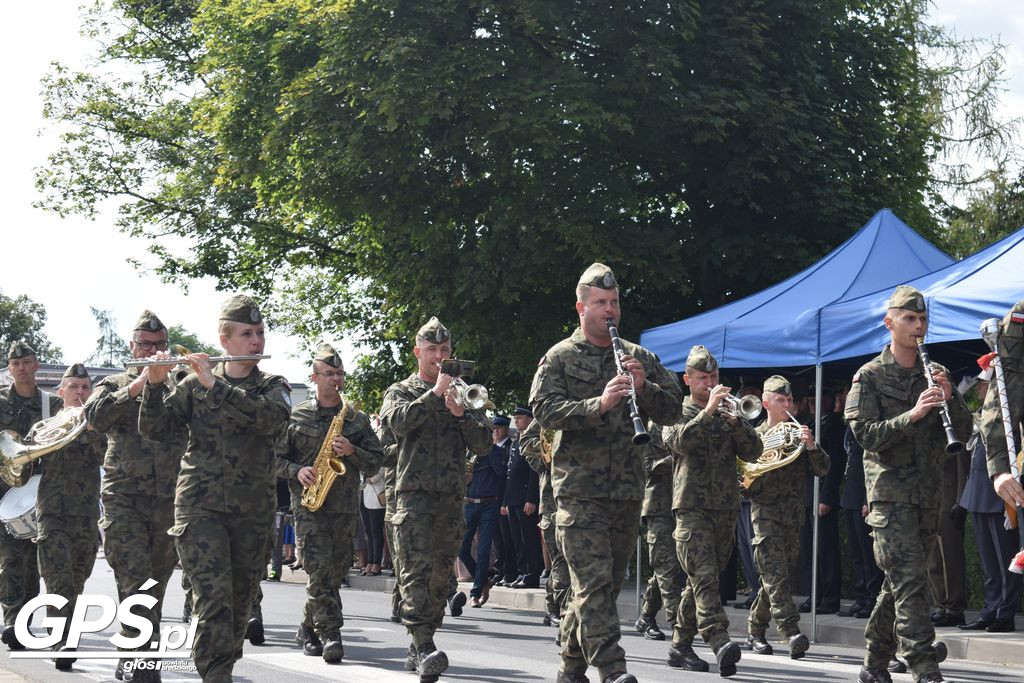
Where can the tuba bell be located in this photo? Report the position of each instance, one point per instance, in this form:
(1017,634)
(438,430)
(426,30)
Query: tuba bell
(46,436)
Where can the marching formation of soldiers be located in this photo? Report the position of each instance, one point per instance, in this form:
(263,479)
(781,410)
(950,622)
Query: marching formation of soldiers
(190,463)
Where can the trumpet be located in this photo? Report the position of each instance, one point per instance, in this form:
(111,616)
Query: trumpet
(181,359)
(471,396)
(748,407)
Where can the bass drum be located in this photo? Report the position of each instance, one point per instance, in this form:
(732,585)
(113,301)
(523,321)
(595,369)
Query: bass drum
(18,509)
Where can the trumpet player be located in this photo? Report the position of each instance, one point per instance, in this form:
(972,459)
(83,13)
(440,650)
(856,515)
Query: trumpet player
(326,535)
(597,470)
(894,414)
(705,443)
(775,498)
(434,431)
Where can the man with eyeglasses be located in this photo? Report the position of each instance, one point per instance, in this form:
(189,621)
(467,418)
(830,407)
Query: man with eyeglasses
(138,484)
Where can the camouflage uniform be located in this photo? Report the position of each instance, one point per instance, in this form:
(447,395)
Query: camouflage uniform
(388,462)
(326,536)
(902,473)
(665,586)
(225,498)
(1011,357)
(430,473)
(138,488)
(598,480)
(705,501)
(776,510)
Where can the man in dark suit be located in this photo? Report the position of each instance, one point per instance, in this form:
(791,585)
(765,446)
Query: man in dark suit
(506,566)
(867,577)
(522,498)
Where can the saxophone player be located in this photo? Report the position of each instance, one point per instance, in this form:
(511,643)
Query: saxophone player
(326,534)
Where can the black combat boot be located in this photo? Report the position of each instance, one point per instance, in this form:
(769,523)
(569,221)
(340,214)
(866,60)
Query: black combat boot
(931,677)
(431,662)
(254,631)
(683,657)
(64,663)
(941,651)
(648,625)
(896,667)
(333,650)
(874,675)
(456,602)
(10,639)
(727,655)
(122,675)
(309,642)
(757,644)
(412,659)
(798,646)
(619,677)
(565,677)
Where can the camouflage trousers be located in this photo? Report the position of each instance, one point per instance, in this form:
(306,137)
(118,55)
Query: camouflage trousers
(904,535)
(137,548)
(19,574)
(66,547)
(428,530)
(597,537)
(326,542)
(557,587)
(776,550)
(396,592)
(704,542)
(666,584)
(256,611)
(224,557)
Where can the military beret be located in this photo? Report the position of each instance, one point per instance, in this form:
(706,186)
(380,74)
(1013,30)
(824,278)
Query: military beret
(148,322)
(241,309)
(598,275)
(779,385)
(701,359)
(501,421)
(20,349)
(906,297)
(523,410)
(77,370)
(327,354)
(434,332)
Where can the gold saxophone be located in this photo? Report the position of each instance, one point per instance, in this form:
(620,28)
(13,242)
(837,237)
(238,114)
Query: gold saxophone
(547,444)
(327,467)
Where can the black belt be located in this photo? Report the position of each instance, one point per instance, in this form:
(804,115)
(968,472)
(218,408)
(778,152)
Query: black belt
(491,499)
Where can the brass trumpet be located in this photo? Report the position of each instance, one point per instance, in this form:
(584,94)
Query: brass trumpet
(471,396)
(748,407)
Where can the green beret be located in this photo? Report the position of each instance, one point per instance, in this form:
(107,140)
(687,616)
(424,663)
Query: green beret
(20,349)
(327,354)
(906,297)
(779,385)
(598,275)
(77,370)
(434,332)
(241,309)
(148,322)
(701,359)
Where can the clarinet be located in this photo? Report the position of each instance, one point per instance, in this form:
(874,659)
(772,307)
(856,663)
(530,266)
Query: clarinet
(640,435)
(953,445)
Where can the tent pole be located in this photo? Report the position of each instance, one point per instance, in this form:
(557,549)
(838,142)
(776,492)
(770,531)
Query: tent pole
(814,510)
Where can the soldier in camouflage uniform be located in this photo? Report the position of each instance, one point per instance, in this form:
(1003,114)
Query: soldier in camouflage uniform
(21,406)
(68,508)
(895,418)
(225,498)
(388,462)
(705,444)
(665,586)
(326,535)
(1011,357)
(138,483)
(597,472)
(776,508)
(433,432)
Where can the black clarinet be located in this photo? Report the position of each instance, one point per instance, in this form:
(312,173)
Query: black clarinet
(953,445)
(640,435)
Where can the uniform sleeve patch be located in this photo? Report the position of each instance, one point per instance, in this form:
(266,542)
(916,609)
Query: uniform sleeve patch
(1017,317)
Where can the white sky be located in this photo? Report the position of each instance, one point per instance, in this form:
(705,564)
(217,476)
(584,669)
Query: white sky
(85,263)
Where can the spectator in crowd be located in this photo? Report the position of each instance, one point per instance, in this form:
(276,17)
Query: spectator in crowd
(487,473)
(522,498)
(867,577)
(372,511)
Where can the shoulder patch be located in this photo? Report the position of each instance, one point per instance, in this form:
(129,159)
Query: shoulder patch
(1017,318)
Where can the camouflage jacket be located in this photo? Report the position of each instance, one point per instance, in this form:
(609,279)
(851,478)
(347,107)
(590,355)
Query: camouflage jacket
(779,495)
(229,464)
(658,465)
(593,455)
(529,444)
(705,447)
(306,431)
(1011,357)
(133,465)
(70,484)
(432,443)
(901,458)
(388,462)
(18,414)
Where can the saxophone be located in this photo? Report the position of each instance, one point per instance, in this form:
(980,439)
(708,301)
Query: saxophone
(326,467)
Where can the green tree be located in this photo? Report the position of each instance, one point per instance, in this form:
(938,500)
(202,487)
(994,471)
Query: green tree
(177,334)
(22,318)
(111,349)
(366,165)
(989,215)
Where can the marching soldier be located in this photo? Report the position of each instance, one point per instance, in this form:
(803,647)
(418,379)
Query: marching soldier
(326,535)
(22,404)
(1011,357)
(705,445)
(893,413)
(434,431)
(389,461)
(68,508)
(775,497)
(597,474)
(138,483)
(225,496)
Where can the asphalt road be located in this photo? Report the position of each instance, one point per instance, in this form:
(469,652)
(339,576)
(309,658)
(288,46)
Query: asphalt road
(484,645)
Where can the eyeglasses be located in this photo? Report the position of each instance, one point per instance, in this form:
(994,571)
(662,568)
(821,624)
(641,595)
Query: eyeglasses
(150,346)
(331,374)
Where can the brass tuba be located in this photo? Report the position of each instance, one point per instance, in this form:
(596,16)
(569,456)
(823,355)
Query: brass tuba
(326,467)
(46,436)
(782,446)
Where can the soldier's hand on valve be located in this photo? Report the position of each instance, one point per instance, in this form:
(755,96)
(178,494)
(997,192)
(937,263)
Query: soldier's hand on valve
(306,476)
(342,446)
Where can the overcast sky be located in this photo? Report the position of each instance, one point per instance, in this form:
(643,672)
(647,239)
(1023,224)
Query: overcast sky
(71,264)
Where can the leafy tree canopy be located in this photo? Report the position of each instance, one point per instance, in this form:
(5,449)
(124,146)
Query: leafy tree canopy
(23,318)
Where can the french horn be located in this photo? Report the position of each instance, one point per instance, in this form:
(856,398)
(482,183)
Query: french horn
(46,436)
